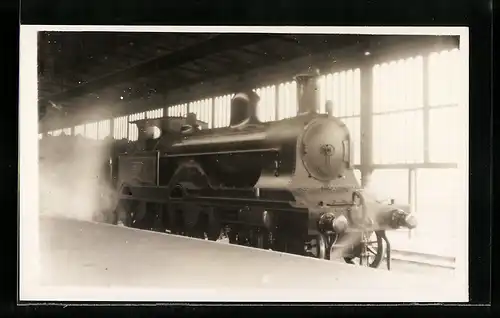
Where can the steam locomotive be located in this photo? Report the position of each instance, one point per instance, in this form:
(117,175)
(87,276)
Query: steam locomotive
(286,185)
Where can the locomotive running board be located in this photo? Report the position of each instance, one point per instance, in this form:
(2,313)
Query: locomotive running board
(220,152)
(239,203)
(162,195)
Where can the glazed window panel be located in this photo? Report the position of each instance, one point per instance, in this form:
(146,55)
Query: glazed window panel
(344,90)
(438,201)
(266,109)
(444,144)
(40,136)
(91,130)
(357,174)
(67,131)
(445,74)
(120,127)
(387,184)
(287,100)
(80,130)
(57,132)
(398,85)
(398,138)
(133,131)
(104,129)
(178,110)
(222,111)
(354,126)
(155,113)
(203,110)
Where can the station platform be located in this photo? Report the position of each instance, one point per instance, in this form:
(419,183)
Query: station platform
(86,261)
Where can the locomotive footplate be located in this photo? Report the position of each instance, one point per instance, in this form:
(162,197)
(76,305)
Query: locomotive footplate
(162,195)
(239,202)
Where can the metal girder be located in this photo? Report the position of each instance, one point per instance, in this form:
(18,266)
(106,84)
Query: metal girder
(193,67)
(236,68)
(216,44)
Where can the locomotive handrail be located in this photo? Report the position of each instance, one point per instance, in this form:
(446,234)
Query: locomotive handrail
(210,139)
(221,152)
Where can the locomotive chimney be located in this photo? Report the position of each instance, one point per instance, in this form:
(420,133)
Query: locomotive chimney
(244,108)
(307,90)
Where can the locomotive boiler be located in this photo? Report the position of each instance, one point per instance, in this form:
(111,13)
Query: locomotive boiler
(286,185)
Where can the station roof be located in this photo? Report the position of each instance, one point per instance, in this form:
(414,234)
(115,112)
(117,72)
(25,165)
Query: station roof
(76,69)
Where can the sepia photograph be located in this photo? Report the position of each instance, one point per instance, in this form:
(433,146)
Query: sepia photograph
(243,164)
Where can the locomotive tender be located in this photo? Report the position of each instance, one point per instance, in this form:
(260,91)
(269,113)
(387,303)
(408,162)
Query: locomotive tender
(286,185)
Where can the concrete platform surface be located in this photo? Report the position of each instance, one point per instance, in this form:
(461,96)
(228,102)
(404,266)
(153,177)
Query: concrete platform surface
(89,261)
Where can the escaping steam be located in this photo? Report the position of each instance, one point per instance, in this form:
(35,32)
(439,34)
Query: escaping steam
(344,244)
(74,178)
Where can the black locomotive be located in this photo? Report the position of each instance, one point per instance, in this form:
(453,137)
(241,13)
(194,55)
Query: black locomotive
(286,185)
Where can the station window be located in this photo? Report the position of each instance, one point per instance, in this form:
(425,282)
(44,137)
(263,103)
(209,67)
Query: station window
(444,132)
(445,114)
(57,132)
(133,131)
(445,74)
(439,198)
(398,85)
(287,106)
(390,184)
(91,130)
(203,110)
(155,113)
(120,127)
(266,110)
(178,110)
(103,129)
(80,130)
(343,89)
(222,109)
(398,138)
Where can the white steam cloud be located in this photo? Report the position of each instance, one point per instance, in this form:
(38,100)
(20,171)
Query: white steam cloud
(74,182)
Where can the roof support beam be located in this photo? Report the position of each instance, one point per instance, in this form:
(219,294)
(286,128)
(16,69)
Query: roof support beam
(190,70)
(216,44)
